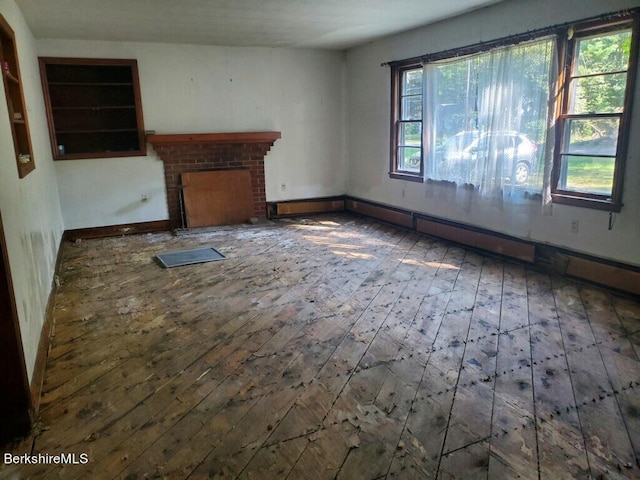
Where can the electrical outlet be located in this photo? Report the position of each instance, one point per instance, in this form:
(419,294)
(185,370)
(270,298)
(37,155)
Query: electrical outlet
(575,226)
(144,197)
(283,187)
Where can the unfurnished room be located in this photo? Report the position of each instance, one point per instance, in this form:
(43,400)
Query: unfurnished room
(341,239)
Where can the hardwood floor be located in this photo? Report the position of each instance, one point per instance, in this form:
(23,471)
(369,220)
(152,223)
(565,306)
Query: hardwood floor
(333,347)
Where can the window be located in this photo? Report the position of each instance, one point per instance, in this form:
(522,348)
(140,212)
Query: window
(408,130)
(487,117)
(594,121)
(480,121)
(93,107)
(15,100)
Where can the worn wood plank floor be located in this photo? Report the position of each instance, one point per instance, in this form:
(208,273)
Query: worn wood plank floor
(333,347)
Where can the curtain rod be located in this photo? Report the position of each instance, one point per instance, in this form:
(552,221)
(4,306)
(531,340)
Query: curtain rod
(510,40)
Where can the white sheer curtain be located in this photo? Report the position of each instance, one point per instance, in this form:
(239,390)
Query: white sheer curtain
(487,120)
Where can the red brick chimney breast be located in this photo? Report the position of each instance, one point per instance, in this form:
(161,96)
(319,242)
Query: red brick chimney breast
(182,153)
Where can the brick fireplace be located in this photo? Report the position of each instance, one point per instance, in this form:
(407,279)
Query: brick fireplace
(186,153)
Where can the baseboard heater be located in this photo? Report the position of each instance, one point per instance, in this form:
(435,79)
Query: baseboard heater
(396,216)
(303,207)
(502,245)
(485,241)
(613,276)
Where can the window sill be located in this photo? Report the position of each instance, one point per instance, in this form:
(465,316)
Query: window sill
(409,177)
(594,203)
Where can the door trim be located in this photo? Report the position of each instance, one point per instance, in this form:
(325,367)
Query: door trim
(16,405)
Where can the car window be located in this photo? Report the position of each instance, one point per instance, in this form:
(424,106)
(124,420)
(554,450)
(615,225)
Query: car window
(503,142)
(458,143)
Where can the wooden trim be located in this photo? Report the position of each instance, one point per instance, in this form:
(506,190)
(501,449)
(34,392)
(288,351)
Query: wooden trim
(486,241)
(393,215)
(39,369)
(86,61)
(560,105)
(231,137)
(117,230)
(16,104)
(393,131)
(626,120)
(396,99)
(574,200)
(17,411)
(407,177)
(306,206)
(137,99)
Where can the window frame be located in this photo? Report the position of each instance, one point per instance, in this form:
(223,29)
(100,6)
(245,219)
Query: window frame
(568,56)
(397,72)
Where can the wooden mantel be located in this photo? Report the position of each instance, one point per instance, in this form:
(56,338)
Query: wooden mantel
(208,138)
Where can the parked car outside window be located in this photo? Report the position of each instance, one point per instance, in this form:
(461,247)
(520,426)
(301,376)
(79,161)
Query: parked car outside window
(457,157)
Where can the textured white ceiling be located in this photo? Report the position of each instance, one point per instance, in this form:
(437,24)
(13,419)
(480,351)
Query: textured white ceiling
(329,24)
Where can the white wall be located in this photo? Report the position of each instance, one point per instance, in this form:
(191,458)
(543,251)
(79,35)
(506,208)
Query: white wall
(198,89)
(368,117)
(30,208)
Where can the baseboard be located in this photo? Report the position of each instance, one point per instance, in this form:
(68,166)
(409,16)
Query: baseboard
(44,344)
(118,230)
(37,379)
(396,216)
(306,206)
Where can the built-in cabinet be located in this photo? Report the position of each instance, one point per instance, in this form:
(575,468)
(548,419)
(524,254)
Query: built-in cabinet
(93,107)
(15,100)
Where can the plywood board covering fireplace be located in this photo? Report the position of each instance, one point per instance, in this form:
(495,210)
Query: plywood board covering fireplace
(219,197)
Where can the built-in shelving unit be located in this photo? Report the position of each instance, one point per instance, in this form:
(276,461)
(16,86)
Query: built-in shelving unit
(15,100)
(93,107)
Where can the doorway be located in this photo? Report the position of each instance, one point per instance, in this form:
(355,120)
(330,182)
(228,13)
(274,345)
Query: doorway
(15,397)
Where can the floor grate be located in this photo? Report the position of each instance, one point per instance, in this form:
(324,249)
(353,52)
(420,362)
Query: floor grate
(189,257)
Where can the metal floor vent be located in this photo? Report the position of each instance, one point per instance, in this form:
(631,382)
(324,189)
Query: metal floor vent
(189,257)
